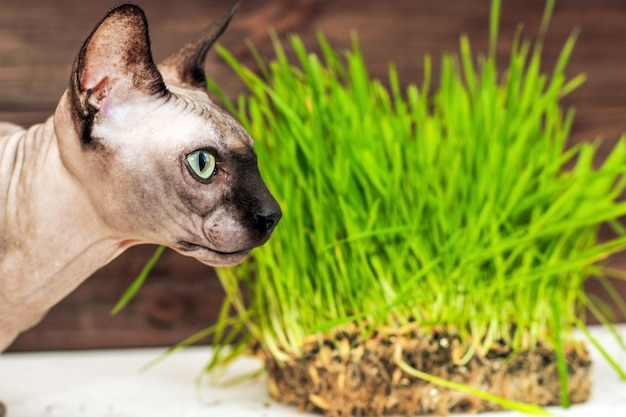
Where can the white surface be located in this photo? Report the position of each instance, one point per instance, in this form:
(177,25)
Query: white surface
(110,384)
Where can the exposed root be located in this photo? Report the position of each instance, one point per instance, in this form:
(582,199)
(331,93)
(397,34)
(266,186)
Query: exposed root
(349,376)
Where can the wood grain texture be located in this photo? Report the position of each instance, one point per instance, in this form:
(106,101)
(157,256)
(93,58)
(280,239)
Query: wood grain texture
(39,40)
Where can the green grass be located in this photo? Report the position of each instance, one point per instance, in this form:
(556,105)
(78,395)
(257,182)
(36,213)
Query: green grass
(445,205)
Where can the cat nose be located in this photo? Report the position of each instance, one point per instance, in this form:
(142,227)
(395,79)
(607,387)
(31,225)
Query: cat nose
(267,222)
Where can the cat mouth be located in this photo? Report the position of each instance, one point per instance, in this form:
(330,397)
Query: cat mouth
(186,246)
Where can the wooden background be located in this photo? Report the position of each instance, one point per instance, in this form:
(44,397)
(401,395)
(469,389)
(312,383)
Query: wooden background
(39,39)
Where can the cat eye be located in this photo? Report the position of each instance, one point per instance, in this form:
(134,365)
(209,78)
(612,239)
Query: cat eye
(202,163)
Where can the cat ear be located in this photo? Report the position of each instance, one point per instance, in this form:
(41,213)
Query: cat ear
(115,62)
(186,67)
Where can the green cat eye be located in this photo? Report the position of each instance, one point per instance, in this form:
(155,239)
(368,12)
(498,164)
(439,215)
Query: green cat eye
(202,164)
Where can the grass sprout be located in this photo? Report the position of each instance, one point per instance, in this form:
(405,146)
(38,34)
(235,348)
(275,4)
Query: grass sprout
(448,208)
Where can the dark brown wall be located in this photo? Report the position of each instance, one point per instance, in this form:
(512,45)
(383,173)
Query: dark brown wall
(39,39)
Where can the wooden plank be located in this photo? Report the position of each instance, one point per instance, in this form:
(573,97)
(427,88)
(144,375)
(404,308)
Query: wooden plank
(38,42)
